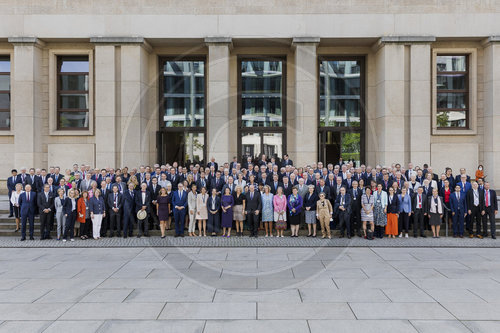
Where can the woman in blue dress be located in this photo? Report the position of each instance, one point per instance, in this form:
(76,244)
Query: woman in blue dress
(227,203)
(295,208)
(267,210)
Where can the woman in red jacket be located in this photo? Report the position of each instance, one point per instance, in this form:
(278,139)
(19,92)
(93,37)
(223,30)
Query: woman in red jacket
(83,215)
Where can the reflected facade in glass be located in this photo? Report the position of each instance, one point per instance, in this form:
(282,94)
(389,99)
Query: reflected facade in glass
(262,93)
(340,93)
(184,94)
(73,92)
(452,97)
(4,93)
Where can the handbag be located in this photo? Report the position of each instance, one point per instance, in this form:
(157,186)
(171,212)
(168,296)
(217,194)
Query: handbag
(280,223)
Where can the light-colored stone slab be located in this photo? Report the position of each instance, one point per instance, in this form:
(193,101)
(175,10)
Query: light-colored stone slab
(106,296)
(361,326)
(33,311)
(170,326)
(24,326)
(170,295)
(140,283)
(448,326)
(77,326)
(304,311)
(119,311)
(209,311)
(342,295)
(252,326)
(260,296)
(474,311)
(400,311)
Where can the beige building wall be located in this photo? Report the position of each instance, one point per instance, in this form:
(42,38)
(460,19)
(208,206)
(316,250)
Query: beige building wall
(398,41)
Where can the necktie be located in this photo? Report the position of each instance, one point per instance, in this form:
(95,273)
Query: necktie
(131,194)
(28,196)
(251,195)
(487,198)
(46,196)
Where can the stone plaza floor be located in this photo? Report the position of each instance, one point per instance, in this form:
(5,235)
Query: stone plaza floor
(248,289)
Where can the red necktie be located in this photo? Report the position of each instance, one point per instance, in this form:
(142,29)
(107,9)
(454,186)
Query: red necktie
(487,201)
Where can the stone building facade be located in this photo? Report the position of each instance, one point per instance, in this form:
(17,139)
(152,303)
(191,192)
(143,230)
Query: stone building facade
(374,81)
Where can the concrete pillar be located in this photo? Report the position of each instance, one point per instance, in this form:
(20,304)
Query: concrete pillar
(491,118)
(133,124)
(27,101)
(390,90)
(220,130)
(106,105)
(420,104)
(303,127)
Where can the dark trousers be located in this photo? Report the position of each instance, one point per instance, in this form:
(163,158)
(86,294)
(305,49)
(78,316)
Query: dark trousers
(128,223)
(179,217)
(468,224)
(46,221)
(489,215)
(213,223)
(253,223)
(403,222)
(458,223)
(30,217)
(143,224)
(153,217)
(418,221)
(344,222)
(86,228)
(104,226)
(475,217)
(11,207)
(355,220)
(69,231)
(114,222)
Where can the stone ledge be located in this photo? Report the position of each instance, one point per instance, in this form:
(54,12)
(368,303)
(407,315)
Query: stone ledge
(117,40)
(218,40)
(306,39)
(491,40)
(26,40)
(407,39)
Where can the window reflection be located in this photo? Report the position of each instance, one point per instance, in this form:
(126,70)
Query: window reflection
(4,93)
(262,93)
(184,93)
(340,93)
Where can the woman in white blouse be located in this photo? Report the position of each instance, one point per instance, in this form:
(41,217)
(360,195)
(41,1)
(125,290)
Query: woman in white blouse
(14,200)
(192,210)
(240,181)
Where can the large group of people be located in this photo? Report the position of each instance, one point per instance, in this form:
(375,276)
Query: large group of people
(259,196)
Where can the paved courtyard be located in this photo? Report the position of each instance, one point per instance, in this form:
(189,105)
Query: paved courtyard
(250,289)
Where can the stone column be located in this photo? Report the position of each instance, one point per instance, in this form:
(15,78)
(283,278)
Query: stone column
(27,101)
(390,105)
(133,122)
(106,104)
(491,118)
(220,130)
(420,101)
(303,128)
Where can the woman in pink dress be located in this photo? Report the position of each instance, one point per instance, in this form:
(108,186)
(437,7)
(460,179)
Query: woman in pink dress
(279,203)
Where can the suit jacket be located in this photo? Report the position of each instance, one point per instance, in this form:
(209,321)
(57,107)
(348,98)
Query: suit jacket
(493,199)
(202,182)
(174,180)
(43,203)
(129,201)
(84,186)
(415,201)
(33,182)
(68,205)
(154,193)
(458,179)
(284,163)
(232,187)
(217,203)
(11,183)
(288,190)
(355,194)
(218,184)
(274,187)
(347,183)
(57,179)
(458,205)
(470,199)
(27,207)
(347,204)
(393,207)
(386,185)
(139,203)
(325,190)
(214,164)
(41,182)
(179,201)
(253,204)
(111,200)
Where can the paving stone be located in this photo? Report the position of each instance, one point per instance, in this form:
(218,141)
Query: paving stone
(24,326)
(400,311)
(304,311)
(252,326)
(119,311)
(170,295)
(431,326)
(164,326)
(106,296)
(77,326)
(364,326)
(474,311)
(33,311)
(211,311)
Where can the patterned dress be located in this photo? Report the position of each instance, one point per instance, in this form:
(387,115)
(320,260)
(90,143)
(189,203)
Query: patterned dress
(368,203)
(267,207)
(379,216)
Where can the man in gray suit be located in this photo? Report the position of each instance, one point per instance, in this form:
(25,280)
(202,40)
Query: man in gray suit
(120,184)
(86,183)
(303,189)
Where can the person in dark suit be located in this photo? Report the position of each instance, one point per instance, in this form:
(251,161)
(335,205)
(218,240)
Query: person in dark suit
(323,188)
(11,187)
(115,204)
(173,178)
(57,176)
(287,186)
(386,182)
(475,205)
(143,202)
(490,210)
(217,183)
(179,203)
(253,207)
(355,192)
(70,212)
(27,205)
(213,207)
(458,206)
(154,190)
(419,210)
(31,179)
(128,210)
(286,161)
(212,163)
(460,177)
(275,183)
(348,181)
(45,201)
(343,210)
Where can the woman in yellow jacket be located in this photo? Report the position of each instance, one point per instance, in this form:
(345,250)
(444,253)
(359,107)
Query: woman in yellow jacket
(324,212)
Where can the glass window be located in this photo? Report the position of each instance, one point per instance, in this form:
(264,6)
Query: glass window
(184,94)
(340,93)
(4,93)
(262,93)
(452,91)
(73,92)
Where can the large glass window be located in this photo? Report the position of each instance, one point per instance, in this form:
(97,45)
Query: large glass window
(340,93)
(452,91)
(182,111)
(184,94)
(73,92)
(4,93)
(261,93)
